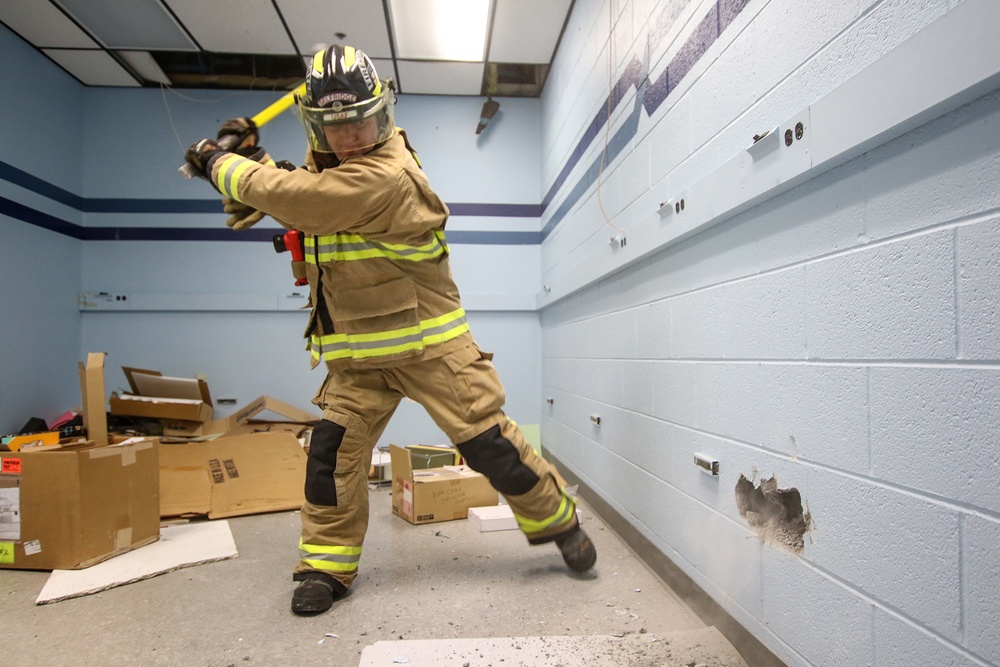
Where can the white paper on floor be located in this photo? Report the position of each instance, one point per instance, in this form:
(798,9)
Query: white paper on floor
(704,646)
(179,546)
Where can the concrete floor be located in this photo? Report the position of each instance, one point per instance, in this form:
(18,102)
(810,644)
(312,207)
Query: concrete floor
(443,581)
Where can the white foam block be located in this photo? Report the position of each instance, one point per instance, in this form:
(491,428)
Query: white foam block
(178,547)
(496,517)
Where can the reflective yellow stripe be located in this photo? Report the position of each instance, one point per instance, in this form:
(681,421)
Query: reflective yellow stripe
(350,57)
(228,176)
(318,63)
(334,559)
(563,515)
(431,331)
(349,247)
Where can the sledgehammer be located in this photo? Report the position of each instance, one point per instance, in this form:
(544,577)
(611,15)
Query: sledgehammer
(263,118)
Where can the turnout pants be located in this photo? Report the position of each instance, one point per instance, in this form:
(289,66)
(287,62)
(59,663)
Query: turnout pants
(464,396)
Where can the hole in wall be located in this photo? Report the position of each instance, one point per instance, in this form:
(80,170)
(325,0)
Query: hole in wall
(775,514)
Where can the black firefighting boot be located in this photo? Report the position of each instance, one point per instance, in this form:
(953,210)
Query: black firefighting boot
(577,550)
(316,593)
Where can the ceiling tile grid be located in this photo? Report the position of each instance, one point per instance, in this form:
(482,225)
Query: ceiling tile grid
(261,44)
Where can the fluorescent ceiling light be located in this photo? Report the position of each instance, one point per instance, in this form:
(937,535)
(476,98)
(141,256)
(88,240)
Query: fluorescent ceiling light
(440,29)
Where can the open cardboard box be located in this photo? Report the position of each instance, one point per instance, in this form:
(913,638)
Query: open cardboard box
(160,397)
(68,506)
(436,494)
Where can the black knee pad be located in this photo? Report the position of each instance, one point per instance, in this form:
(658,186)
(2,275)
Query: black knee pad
(495,457)
(323,446)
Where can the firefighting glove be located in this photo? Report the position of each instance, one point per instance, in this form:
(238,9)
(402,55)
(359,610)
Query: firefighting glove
(241,216)
(243,130)
(201,155)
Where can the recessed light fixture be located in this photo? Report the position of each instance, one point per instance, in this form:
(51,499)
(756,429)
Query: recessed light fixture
(441,29)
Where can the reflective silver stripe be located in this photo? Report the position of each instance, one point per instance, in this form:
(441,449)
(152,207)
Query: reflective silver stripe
(361,346)
(348,247)
(228,177)
(333,559)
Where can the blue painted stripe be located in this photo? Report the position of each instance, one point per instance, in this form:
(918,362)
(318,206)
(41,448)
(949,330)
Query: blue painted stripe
(31,216)
(496,210)
(24,213)
(649,96)
(23,179)
(12,174)
(494,238)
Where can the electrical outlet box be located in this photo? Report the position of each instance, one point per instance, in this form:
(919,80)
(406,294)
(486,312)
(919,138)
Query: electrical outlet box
(707,464)
(105,301)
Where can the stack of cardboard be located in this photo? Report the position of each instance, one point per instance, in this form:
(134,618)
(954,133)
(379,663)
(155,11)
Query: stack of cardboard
(71,505)
(222,467)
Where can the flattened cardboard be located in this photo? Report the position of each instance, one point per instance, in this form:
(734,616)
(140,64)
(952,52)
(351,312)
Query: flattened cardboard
(436,494)
(241,420)
(232,476)
(69,509)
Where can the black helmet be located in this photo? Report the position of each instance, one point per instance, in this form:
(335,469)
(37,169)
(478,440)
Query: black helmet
(346,109)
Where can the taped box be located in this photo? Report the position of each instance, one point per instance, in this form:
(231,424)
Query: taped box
(436,494)
(67,510)
(68,506)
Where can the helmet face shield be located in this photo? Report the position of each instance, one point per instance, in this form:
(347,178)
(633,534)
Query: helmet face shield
(349,129)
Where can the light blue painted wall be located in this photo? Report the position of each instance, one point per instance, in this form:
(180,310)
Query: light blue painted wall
(126,144)
(245,354)
(841,337)
(39,270)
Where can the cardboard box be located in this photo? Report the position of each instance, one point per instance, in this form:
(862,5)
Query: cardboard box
(242,421)
(232,476)
(160,397)
(15,443)
(436,494)
(67,506)
(489,519)
(69,509)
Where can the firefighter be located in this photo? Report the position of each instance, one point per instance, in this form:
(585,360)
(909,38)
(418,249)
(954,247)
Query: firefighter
(386,320)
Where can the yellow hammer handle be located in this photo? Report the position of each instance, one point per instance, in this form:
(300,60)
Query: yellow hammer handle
(264,117)
(279,106)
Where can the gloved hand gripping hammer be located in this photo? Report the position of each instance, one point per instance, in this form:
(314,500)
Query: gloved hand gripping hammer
(231,141)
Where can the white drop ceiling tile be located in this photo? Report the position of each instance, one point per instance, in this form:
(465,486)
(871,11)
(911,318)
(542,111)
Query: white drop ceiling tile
(142,62)
(527,31)
(41,24)
(315,23)
(129,24)
(440,78)
(234,26)
(93,68)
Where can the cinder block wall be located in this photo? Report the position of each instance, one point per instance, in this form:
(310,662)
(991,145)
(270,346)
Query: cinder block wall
(840,337)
